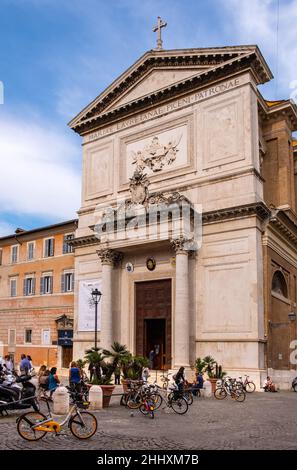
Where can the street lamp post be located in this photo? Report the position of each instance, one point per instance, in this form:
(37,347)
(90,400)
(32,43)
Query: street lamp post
(96,296)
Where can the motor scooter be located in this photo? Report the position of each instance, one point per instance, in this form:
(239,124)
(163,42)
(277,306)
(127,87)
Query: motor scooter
(16,392)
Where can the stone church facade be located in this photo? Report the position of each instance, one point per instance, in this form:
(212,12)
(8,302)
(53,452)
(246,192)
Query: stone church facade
(190,127)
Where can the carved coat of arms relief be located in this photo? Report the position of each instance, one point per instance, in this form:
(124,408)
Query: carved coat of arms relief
(156,155)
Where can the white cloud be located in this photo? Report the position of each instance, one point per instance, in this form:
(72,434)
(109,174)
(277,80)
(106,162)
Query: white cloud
(40,174)
(255,22)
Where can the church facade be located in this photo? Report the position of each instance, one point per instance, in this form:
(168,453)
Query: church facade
(186,135)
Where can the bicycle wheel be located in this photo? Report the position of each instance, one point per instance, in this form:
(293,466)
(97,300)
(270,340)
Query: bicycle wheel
(157,399)
(83,425)
(238,395)
(220,393)
(179,405)
(188,396)
(25,425)
(143,409)
(133,402)
(250,387)
(123,401)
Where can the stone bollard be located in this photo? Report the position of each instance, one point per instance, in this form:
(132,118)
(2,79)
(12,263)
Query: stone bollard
(61,401)
(95,397)
(206,392)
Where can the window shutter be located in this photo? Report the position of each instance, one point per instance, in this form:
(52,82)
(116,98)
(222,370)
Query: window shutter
(25,287)
(42,285)
(46,247)
(63,283)
(52,244)
(72,282)
(64,245)
(51,284)
(33,285)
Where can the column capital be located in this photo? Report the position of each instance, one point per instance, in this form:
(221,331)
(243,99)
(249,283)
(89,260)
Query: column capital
(179,245)
(110,257)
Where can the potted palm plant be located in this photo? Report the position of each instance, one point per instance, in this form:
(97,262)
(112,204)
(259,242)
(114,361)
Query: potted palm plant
(118,355)
(102,373)
(213,370)
(132,367)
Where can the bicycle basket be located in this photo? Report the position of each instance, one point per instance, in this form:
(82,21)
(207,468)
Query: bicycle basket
(83,404)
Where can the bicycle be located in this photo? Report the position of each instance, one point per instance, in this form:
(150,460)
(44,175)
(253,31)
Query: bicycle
(147,405)
(135,397)
(248,385)
(229,387)
(177,402)
(33,426)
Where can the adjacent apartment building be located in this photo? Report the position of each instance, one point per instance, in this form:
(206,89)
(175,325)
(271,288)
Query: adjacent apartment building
(36,294)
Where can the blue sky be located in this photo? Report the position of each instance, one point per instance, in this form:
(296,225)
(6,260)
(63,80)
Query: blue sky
(57,55)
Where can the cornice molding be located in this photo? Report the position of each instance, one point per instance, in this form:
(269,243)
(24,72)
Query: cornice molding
(257,208)
(94,117)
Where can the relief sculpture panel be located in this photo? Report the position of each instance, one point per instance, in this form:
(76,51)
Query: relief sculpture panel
(158,152)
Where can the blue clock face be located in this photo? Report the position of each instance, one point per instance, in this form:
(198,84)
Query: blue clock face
(150,264)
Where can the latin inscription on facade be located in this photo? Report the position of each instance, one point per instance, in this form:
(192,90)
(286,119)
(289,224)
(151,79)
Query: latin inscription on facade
(162,110)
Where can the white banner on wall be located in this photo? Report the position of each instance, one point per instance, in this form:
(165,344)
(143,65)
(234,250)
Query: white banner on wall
(86,307)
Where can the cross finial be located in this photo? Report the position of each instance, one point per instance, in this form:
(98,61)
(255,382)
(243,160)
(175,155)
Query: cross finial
(161,24)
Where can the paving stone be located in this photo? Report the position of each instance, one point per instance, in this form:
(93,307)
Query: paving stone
(263,421)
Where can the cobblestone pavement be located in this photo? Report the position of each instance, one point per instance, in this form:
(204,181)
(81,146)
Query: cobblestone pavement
(263,421)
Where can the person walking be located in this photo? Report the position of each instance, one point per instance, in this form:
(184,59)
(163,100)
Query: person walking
(91,371)
(151,358)
(75,377)
(25,365)
(117,376)
(8,363)
(31,362)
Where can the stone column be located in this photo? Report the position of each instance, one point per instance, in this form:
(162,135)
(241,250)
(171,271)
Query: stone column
(109,259)
(181,320)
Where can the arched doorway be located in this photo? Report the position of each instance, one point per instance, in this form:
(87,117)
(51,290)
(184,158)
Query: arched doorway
(279,323)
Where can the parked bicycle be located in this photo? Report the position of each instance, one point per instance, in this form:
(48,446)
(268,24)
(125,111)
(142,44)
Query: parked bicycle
(33,426)
(229,386)
(147,406)
(247,385)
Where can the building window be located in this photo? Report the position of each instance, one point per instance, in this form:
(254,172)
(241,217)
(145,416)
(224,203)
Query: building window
(30,251)
(14,253)
(67,282)
(11,337)
(279,284)
(13,287)
(29,286)
(46,336)
(46,284)
(28,336)
(49,247)
(67,248)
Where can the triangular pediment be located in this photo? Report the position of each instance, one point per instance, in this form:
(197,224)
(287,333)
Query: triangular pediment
(158,71)
(155,80)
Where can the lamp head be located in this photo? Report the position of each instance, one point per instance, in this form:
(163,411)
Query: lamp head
(96,295)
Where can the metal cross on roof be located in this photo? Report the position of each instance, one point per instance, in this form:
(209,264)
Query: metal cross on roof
(161,24)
